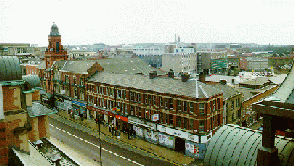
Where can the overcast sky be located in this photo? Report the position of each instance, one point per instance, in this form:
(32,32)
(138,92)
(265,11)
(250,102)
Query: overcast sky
(126,22)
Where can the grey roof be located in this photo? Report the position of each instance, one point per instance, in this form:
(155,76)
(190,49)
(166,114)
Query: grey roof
(245,92)
(157,84)
(54,30)
(33,81)
(37,109)
(42,65)
(234,145)
(285,93)
(9,68)
(217,78)
(226,90)
(257,81)
(124,66)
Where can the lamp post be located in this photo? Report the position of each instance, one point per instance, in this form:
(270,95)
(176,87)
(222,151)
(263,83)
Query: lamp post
(98,121)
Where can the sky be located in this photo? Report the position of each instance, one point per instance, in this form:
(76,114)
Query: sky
(116,22)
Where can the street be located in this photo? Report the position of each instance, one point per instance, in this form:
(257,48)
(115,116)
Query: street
(89,146)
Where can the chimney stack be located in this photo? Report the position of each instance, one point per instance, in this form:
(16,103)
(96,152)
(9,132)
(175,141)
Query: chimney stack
(152,74)
(185,77)
(223,82)
(171,73)
(202,77)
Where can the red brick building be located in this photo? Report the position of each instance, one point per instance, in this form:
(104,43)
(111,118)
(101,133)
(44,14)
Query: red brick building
(186,112)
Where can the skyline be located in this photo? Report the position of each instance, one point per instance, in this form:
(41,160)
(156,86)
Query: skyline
(129,22)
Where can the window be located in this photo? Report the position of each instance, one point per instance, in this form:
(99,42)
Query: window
(160,102)
(132,110)
(232,106)
(201,125)
(82,81)
(191,107)
(179,105)
(149,99)
(147,113)
(154,99)
(185,106)
(82,95)
(66,79)
(74,80)
(75,93)
(171,103)
(110,91)
(201,108)
(179,121)
(191,124)
(139,97)
(118,92)
(185,123)
(213,105)
(57,47)
(171,119)
(131,96)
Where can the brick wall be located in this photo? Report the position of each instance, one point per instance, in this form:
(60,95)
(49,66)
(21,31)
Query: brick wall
(11,98)
(3,145)
(34,133)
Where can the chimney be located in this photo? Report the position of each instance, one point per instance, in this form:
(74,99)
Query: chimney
(223,82)
(152,74)
(171,73)
(202,77)
(185,77)
(233,81)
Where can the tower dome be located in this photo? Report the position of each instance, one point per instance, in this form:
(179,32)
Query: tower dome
(54,30)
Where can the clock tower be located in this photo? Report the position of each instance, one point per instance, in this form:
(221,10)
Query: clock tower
(55,51)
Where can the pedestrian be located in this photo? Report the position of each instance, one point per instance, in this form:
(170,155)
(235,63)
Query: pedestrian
(134,133)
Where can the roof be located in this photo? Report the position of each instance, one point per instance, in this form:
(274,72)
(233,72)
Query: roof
(217,78)
(117,65)
(246,93)
(226,90)
(37,109)
(157,84)
(234,145)
(257,81)
(9,68)
(285,93)
(54,30)
(33,81)
(42,65)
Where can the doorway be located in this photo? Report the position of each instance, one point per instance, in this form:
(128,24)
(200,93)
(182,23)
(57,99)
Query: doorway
(180,145)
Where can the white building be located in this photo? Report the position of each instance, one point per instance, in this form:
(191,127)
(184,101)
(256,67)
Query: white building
(179,62)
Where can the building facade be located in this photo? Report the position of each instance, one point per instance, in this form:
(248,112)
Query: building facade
(156,110)
(180,62)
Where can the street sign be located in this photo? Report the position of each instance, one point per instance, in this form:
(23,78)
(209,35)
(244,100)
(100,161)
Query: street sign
(155,117)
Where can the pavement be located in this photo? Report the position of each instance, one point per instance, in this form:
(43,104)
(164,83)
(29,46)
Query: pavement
(135,144)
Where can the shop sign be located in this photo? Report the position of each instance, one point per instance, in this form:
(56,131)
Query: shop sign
(79,103)
(177,133)
(161,128)
(122,118)
(155,117)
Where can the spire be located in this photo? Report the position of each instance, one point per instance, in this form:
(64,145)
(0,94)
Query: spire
(175,38)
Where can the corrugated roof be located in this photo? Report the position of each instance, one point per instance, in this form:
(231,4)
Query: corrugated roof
(33,81)
(9,68)
(285,92)
(234,145)
(157,84)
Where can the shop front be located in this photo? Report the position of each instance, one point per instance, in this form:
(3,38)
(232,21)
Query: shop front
(143,129)
(62,103)
(79,108)
(121,123)
(190,144)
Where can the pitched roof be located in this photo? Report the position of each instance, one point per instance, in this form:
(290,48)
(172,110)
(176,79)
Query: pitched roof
(9,68)
(42,65)
(157,84)
(37,109)
(226,90)
(234,145)
(116,65)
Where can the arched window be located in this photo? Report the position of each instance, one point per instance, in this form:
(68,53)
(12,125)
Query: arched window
(57,47)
